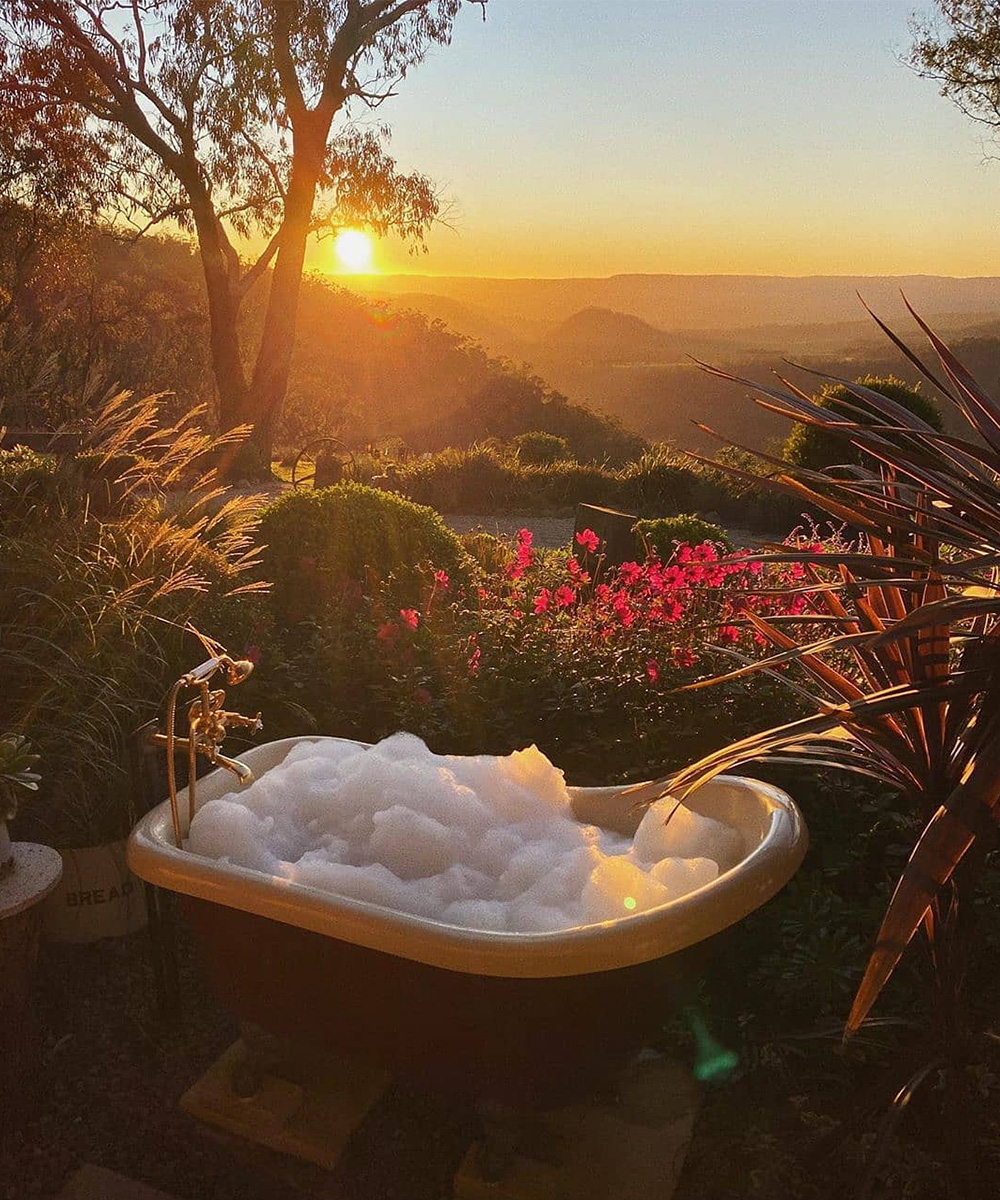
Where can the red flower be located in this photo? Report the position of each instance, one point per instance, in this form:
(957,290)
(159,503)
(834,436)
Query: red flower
(442,580)
(653,670)
(671,610)
(421,695)
(683,657)
(388,631)
(523,559)
(474,659)
(728,634)
(588,539)
(564,596)
(542,601)
(410,617)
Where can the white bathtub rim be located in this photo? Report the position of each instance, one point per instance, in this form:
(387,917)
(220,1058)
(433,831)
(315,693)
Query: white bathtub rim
(622,942)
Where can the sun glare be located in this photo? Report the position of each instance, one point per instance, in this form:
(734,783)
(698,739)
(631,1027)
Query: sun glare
(353,250)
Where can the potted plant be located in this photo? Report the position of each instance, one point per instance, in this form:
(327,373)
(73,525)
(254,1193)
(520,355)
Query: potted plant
(28,873)
(17,776)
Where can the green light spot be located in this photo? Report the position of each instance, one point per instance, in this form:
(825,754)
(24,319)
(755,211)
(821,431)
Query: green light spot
(713,1062)
(629,902)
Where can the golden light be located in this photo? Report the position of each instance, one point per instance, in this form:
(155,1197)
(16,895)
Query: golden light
(353,250)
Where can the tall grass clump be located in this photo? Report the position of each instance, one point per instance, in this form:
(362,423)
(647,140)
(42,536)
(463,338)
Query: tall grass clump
(110,558)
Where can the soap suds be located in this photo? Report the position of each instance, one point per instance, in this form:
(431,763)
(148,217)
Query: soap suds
(485,843)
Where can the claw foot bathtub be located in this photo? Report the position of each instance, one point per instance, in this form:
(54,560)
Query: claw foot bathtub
(519,1018)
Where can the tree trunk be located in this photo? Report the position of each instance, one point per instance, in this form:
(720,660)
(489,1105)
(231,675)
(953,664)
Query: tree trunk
(274,357)
(223,315)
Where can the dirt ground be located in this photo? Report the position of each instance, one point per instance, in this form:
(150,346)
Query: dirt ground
(111,1070)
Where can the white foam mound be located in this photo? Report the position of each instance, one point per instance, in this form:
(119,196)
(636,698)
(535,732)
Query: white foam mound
(486,843)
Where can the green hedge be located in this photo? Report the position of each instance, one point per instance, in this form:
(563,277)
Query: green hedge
(662,533)
(319,544)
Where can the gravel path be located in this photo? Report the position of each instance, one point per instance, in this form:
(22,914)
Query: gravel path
(552,533)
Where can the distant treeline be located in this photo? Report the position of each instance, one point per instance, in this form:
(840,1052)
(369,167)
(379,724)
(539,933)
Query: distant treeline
(83,312)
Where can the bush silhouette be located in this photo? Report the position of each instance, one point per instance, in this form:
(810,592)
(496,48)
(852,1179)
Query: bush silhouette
(815,449)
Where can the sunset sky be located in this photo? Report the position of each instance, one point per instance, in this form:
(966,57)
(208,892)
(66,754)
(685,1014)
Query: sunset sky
(751,136)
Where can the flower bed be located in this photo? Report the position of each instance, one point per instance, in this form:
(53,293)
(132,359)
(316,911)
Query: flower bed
(546,647)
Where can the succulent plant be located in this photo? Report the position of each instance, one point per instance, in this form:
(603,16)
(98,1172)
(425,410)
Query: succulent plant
(17,773)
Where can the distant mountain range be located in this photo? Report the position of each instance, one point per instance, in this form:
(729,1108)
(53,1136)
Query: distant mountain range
(700,302)
(625,345)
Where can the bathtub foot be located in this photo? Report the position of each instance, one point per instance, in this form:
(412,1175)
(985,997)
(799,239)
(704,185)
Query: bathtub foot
(245,1079)
(503,1132)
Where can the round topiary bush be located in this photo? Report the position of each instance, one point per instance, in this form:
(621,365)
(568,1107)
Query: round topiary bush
(319,543)
(662,534)
(538,449)
(816,449)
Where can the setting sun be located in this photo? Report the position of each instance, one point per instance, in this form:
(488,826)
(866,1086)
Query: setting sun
(353,250)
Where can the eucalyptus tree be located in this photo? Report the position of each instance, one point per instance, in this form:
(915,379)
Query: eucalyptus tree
(959,47)
(238,119)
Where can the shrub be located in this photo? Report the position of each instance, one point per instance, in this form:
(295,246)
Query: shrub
(488,551)
(539,449)
(815,448)
(661,535)
(656,483)
(351,540)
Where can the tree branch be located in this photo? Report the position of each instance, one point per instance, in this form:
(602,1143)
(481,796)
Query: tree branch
(251,276)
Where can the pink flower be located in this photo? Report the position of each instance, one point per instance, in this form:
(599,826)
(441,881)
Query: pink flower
(564,596)
(588,540)
(683,657)
(410,617)
(653,670)
(421,695)
(629,573)
(525,537)
(542,601)
(474,660)
(388,631)
(516,614)
(728,634)
(573,567)
(442,580)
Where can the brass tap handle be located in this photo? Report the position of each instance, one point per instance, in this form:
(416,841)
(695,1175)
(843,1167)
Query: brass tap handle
(208,722)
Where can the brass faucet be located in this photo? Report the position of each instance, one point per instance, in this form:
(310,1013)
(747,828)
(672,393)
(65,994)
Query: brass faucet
(208,722)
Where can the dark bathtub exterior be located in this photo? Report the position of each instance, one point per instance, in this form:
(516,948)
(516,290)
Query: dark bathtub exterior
(535,1042)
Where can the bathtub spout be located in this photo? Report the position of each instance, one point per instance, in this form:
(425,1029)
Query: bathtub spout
(240,770)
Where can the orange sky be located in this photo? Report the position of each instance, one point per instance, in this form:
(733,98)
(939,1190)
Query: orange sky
(760,137)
